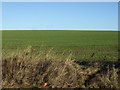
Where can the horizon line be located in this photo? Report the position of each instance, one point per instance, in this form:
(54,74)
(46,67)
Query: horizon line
(55,30)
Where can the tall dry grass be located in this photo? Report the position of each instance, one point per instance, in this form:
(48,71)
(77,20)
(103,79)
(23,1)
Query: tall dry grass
(23,69)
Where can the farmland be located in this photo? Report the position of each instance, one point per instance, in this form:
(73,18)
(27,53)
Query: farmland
(60,59)
(84,45)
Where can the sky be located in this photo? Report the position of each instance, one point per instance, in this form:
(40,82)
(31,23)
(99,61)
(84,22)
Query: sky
(60,16)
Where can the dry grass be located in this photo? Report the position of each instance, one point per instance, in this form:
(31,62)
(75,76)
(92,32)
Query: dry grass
(24,70)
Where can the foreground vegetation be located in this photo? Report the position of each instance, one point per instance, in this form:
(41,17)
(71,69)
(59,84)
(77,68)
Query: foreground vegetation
(46,70)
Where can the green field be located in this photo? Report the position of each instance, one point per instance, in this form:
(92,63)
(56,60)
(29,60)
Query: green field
(82,44)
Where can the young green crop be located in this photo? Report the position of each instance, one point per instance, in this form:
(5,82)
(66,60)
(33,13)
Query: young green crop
(82,44)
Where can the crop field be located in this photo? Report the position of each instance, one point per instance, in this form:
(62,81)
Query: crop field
(60,59)
(83,45)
